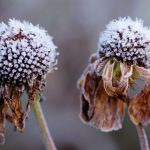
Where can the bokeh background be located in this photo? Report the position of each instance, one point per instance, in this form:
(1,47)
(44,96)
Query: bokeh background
(75,26)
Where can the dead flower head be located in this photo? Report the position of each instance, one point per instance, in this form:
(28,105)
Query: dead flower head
(122,57)
(27,54)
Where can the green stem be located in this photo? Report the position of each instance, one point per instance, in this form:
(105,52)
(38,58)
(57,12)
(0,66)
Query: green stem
(142,137)
(48,141)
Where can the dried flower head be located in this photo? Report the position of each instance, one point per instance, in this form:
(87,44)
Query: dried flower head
(126,40)
(122,58)
(27,54)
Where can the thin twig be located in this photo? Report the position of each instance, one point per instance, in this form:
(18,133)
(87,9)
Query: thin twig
(48,141)
(142,137)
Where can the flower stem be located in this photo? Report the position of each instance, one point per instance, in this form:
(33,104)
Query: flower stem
(142,137)
(48,141)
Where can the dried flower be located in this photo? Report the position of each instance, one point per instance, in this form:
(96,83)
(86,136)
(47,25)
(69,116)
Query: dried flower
(27,54)
(122,57)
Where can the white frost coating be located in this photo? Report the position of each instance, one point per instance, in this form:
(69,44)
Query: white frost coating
(126,39)
(24,47)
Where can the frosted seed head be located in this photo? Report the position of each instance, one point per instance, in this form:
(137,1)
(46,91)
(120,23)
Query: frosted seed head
(24,47)
(125,39)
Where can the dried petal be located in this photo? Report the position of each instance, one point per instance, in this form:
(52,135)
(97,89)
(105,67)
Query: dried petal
(139,108)
(126,72)
(121,88)
(32,92)
(107,76)
(88,81)
(3,108)
(15,105)
(144,72)
(87,109)
(99,65)
(105,113)
(90,85)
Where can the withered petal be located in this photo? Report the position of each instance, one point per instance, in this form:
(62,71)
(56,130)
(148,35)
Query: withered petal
(95,66)
(88,82)
(93,58)
(82,78)
(139,107)
(107,76)
(3,108)
(87,109)
(122,84)
(90,85)
(32,91)
(126,72)
(143,72)
(14,104)
(99,65)
(106,113)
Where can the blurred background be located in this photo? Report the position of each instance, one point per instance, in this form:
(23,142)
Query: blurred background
(75,26)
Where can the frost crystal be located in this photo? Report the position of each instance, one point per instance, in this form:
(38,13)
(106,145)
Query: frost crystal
(126,40)
(26,52)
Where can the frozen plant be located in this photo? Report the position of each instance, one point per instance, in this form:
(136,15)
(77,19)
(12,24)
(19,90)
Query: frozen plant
(27,55)
(122,58)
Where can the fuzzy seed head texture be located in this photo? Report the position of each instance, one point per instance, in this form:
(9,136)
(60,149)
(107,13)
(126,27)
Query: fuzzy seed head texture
(127,40)
(26,52)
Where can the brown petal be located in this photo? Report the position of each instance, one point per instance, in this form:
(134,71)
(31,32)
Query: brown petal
(95,65)
(87,109)
(88,82)
(107,76)
(32,91)
(3,109)
(90,85)
(121,88)
(93,58)
(139,108)
(14,104)
(126,72)
(81,80)
(106,113)
(144,72)
(99,66)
